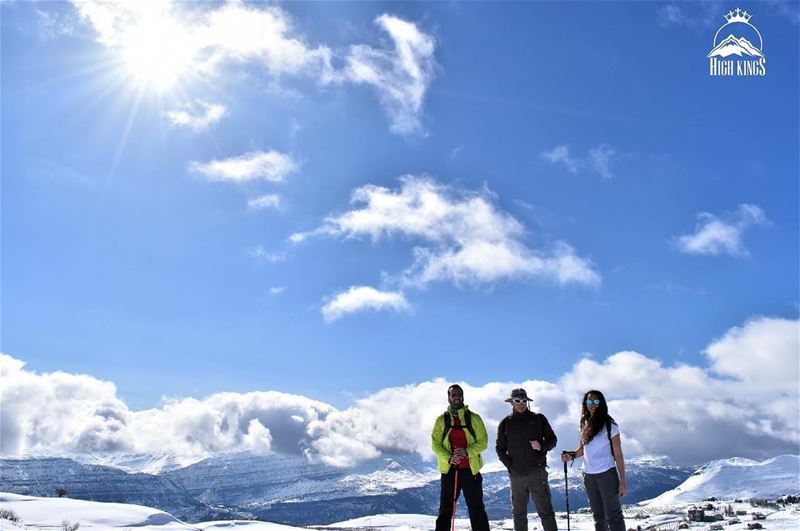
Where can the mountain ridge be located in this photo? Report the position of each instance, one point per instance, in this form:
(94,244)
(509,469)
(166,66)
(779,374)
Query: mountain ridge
(290,489)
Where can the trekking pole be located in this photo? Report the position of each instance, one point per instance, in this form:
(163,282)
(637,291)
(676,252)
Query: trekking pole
(566,483)
(455,497)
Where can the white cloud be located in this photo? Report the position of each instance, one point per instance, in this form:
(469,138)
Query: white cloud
(699,16)
(463,237)
(360,298)
(236,33)
(265,201)
(263,34)
(259,253)
(79,414)
(717,235)
(231,32)
(560,154)
(671,14)
(267,165)
(600,158)
(107,18)
(764,352)
(746,403)
(277,290)
(402,75)
(197,116)
(52,24)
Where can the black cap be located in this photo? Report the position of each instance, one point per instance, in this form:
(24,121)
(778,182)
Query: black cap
(518,393)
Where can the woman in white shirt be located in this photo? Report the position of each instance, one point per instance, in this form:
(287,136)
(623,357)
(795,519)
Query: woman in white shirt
(603,464)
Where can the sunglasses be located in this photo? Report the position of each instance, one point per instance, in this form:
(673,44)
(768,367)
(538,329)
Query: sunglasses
(519,400)
(592,402)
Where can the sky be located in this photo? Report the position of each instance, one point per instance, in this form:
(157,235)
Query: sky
(269,212)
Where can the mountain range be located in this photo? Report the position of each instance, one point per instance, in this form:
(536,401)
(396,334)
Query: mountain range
(720,485)
(288,488)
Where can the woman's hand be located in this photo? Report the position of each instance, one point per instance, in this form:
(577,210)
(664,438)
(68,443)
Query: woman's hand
(586,433)
(623,488)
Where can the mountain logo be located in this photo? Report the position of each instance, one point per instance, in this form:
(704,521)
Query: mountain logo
(738,48)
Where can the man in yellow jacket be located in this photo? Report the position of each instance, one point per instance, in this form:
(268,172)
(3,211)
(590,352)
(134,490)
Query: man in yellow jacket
(458,438)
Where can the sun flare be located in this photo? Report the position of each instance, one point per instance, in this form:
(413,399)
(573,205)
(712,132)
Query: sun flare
(157,52)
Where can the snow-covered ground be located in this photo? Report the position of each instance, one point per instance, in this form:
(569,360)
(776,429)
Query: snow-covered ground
(50,513)
(39,514)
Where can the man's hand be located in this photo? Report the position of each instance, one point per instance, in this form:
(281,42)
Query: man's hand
(458,455)
(536,445)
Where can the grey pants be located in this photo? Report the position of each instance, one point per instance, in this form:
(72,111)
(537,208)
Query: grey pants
(525,487)
(603,492)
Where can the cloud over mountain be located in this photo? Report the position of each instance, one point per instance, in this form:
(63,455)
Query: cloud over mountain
(688,413)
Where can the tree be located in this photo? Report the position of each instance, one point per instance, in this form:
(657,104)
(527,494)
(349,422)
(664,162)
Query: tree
(8,514)
(61,492)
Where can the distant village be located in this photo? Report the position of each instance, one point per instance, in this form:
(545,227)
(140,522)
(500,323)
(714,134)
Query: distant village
(715,515)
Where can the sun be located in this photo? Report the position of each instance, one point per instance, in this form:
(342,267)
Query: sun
(157,51)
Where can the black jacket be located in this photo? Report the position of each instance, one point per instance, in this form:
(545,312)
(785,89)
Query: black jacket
(514,436)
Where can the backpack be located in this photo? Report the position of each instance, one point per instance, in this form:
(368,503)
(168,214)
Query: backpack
(448,423)
(610,444)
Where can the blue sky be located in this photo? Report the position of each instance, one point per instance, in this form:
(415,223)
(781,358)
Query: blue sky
(645,206)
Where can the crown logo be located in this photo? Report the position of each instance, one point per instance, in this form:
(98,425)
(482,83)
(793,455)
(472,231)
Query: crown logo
(738,16)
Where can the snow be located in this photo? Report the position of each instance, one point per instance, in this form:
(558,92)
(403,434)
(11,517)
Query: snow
(133,463)
(394,521)
(725,480)
(387,481)
(737,478)
(246,525)
(49,513)
(40,514)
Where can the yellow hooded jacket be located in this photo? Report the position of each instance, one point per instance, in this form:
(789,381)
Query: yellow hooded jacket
(440,442)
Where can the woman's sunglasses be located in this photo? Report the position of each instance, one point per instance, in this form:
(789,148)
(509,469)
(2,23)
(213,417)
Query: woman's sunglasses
(592,402)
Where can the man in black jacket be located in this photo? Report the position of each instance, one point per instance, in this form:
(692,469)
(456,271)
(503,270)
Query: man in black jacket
(523,440)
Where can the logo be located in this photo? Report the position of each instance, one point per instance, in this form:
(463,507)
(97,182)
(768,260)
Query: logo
(738,48)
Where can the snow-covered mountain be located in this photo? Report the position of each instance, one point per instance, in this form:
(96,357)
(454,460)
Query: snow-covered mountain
(133,463)
(42,476)
(737,478)
(290,489)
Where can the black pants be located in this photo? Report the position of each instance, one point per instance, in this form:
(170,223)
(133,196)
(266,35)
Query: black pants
(603,492)
(472,487)
(532,485)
